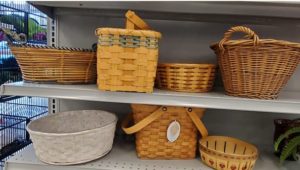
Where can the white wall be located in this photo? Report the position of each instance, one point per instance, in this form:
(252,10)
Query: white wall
(185,42)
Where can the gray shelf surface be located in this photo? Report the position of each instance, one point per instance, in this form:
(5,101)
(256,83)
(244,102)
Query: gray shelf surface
(123,157)
(287,12)
(287,102)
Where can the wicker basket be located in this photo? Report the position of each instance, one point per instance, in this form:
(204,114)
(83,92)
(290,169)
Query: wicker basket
(58,65)
(186,77)
(151,124)
(225,153)
(253,67)
(72,137)
(127,58)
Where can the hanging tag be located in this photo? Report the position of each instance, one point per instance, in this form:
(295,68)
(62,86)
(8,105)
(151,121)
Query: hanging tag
(173,131)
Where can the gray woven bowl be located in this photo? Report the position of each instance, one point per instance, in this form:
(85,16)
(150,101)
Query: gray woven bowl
(73,137)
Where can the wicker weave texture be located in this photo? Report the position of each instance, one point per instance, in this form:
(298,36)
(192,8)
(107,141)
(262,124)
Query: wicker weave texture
(186,77)
(151,141)
(253,67)
(127,58)
(73,137)
(226,153)
(56,65)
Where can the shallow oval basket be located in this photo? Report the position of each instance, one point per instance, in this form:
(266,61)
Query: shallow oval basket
(73,137)
(226,153)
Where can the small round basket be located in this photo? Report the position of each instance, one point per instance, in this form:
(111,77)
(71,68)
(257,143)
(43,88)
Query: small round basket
(186,77)
(73,137)
(226,153)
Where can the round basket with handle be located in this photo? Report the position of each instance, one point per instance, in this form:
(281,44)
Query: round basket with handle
(254,67)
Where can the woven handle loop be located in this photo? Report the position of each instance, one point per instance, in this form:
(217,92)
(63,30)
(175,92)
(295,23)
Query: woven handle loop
(249,35)
(155,115)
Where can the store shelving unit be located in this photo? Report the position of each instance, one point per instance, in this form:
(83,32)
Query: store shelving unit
(288,102)
(89,15)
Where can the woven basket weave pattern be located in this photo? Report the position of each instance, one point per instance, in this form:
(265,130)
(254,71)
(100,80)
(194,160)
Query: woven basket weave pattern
(255,68)
(186,77)
(127,59)
(72,137)
(151,141)
(56,65)
(225,153)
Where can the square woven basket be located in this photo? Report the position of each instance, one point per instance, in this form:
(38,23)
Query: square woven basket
(127,58)
(151,125)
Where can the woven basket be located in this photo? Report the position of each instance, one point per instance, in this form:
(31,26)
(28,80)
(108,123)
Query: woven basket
(225,153)
(186,77)
(151,124)
(127,58)
(72,137)
(253,67)
(58,65)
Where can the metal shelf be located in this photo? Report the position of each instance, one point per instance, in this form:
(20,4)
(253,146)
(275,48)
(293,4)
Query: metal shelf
(123,157)
(224,12)
(287,102)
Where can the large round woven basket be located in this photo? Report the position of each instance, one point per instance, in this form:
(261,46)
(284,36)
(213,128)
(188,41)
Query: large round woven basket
(226,153)
(73,137)
(186,77)
(253,67)
(57,65)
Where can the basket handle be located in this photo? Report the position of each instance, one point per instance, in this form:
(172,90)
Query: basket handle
(155,115)
(250,35)
(135,22)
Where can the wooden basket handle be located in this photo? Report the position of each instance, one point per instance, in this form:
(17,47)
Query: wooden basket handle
(249,35)
(155,115)
(135,22)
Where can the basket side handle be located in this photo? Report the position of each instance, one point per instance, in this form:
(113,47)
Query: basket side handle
(197,122)
(135,22)
(143,123)
(249,35)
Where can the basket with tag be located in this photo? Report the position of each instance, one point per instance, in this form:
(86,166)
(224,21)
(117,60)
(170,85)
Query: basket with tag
(127,58)
(165,132)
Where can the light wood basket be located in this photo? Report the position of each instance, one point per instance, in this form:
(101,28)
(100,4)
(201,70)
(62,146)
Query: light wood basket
(253,67)
(127,58)
(226,153)
(151,124)
(186,77)
(45,64)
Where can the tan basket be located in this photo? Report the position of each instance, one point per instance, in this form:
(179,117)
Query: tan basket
(253,67)
(58,65)
(186,77)
(151,124)
(127,58)
(226,153)
(73,137)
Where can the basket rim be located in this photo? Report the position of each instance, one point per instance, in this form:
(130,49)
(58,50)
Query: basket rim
(260,42)
(71,133)
(122,31)
(255,154)
(50,48)
(187,64)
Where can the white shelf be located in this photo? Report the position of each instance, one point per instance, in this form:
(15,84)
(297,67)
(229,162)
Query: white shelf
(123,157)
(287,102)
(226,12)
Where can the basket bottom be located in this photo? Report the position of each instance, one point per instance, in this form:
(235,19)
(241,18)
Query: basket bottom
(57,82)
(78,162)
(253,95)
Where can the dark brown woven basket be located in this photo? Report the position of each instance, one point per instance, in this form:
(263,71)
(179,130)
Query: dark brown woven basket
(253,67)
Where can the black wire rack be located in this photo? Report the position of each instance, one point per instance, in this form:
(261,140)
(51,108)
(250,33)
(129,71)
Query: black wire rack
(15,114)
